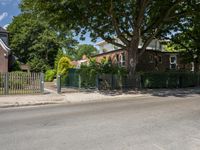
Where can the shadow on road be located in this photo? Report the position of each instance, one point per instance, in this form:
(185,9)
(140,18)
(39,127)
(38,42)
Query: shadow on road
(184,92)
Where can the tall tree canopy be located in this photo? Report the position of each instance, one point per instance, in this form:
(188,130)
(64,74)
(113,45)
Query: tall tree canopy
(84,49)
(33,41)
(187,40)
(128,20)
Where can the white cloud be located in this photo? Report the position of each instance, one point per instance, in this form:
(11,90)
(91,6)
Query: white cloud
(3,15)
(5,2)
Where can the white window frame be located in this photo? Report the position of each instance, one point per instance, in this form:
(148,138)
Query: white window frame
(122,61)
(173,63)
(192,66)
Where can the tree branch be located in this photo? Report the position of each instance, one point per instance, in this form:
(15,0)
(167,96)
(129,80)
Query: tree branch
(141,5)
(116,25)
(162,18)
(148,41)
(112,41)
(158,23)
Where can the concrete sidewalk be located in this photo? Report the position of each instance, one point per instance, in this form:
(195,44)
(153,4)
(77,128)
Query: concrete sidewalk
(52,98)
(29,100)
(89,96)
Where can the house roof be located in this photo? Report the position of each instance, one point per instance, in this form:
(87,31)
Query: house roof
(109,52)
(2,30)
(120,50)
(3,45)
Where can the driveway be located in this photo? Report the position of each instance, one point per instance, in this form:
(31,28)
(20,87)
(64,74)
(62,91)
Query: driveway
(142,123)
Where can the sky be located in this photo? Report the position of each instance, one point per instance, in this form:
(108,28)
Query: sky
(10,8)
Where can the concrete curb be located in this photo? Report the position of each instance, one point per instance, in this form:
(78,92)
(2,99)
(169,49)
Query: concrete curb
(84,97)
(65,100)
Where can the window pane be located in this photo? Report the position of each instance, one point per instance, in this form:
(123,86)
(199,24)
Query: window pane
(173,66)
(173,59)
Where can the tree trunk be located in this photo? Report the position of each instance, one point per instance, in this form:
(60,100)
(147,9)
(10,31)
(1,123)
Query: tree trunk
(133,57)
(132,62)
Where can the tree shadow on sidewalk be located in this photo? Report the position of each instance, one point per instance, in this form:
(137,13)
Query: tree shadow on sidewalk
(183,92)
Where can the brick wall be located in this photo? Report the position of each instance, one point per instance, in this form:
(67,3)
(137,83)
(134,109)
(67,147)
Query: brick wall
(3,61)
(154,61)
(151,60)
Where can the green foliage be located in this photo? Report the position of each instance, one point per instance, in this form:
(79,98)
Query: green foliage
(170,79)
(38,65)
(59,55)
(84,49)
(32,38)
(49,75)
(89,72)
(16,66)
(130,21)
(187,41)
(64,65)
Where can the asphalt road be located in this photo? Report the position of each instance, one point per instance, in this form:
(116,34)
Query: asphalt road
(151,123)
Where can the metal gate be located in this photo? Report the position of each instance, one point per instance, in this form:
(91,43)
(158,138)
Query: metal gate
(21,83)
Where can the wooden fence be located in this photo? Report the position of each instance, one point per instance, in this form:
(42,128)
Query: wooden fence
(21,83)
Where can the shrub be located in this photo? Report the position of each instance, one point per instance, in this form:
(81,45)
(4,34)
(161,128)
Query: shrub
(38,65)
(89,72)
(49,75)
(64,65)
(15,66)
(170,79)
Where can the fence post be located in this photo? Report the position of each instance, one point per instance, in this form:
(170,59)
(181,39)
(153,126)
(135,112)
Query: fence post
(6,84)
(41,83)
(139,81)
(97,82)
(112,82)
(58,84)
(79,81)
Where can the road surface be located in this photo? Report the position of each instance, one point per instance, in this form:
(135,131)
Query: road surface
(143,123)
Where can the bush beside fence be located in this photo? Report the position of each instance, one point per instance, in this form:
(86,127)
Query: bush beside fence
(102,81)
(170,80)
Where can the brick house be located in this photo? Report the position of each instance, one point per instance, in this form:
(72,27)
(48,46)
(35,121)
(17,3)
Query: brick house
(4,51)
(155,58)
(151,60)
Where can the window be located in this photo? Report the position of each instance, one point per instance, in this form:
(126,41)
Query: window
(151,59)
(116,59)
(160,59)
(122,60)
(173,62)
(192,66)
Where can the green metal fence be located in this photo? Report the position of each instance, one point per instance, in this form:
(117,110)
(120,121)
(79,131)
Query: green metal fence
(75,79)
(21,83)
(71,79)
(170,79)
(88,80)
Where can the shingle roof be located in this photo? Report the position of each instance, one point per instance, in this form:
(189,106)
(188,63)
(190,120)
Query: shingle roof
(3,45)
(3,30)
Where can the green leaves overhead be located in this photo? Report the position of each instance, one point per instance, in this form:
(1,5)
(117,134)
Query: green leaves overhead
(84,49)
(31,38)
(109,18)
(127,20)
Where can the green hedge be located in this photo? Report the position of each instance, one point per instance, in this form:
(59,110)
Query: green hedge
(49,75)
(170,79)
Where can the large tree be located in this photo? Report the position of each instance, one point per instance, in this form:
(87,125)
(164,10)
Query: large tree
(187,40)
(127,20)
(85,49)
(34,42)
